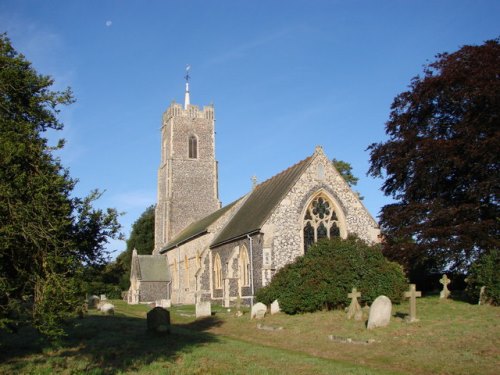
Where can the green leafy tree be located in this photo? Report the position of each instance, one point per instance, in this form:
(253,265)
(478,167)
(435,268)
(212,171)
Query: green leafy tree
(329,270)
(46,235)
(345,169)
(441,162)
(142,239)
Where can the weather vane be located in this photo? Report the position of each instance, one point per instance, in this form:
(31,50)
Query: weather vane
(188,67)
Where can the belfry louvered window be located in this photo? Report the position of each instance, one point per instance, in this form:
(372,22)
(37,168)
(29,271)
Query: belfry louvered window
(193,147)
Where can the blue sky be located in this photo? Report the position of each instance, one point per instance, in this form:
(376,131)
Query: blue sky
(284,76)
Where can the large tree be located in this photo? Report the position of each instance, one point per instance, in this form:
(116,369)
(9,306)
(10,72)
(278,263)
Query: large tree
(441,162)
(46,234)
(142,239)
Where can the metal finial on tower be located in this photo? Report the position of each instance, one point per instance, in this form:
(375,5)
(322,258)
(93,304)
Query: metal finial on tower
(186,94)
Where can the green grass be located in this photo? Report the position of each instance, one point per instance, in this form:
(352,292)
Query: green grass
(451,338)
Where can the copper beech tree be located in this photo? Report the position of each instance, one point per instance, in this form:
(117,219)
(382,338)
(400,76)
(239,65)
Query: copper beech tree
(441,162)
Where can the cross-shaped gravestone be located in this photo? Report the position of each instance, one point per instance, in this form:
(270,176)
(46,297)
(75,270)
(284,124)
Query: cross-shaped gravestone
(354,308)
(412,295)
(445,293)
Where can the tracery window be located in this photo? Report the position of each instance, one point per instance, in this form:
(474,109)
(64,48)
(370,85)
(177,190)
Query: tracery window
(320,221)
(217,272)
(244,267)
(193,147)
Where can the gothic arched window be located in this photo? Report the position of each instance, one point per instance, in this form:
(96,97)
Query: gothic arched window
(320,221)
(244,267)
(193,147)
(217,272)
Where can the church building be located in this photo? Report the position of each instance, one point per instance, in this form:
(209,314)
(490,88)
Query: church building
(220,254)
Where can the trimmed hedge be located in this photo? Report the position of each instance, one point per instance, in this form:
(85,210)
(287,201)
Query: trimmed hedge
(485,272)
(322,278)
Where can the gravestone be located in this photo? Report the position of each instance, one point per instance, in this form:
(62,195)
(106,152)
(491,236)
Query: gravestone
(92,302)
(275,307)
(380,312)
(258,311)
(103,297)
(482,296)
(158,320)
(354,310)
(108,308)
(203,309)
(445,293)
(412,295)
(165,303)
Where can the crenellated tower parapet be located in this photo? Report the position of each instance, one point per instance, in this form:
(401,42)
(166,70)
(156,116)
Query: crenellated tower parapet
(192,111)
(187,176)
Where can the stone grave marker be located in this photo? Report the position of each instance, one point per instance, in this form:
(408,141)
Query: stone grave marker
(275,307)
(108,308)
(92,302)
(258,311)
(482,296)
(445,293)
(354,310)
(380,312)
(412,295)
(165,303)
(203,309)
(158,320)
(103,297)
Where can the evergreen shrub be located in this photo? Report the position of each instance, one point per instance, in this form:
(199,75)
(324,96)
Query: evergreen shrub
(322,278)
(485,272)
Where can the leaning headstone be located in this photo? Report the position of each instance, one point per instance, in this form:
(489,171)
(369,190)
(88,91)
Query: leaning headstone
(275,307)
(159,320)
(258,311)
(354,310)
(380,312)
(103,297)
(445,293)
(108,309)
(482,296)
(203,309)
(92,302)
(100,304)
(412,295)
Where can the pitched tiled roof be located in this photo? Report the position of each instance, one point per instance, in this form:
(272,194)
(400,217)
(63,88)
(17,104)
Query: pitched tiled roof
(197,228)
(258,206)
(152,268)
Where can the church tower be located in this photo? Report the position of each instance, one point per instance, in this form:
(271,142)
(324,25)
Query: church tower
(187,176)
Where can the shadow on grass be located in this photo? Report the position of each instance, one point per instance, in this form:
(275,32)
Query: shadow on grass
(102,345)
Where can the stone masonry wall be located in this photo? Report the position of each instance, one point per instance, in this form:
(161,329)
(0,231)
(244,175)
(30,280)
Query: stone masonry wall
(283,231)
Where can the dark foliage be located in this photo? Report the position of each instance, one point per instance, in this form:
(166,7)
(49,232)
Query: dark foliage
(485,272)
(46,234)
(441,162)
(329,270)
(142,239)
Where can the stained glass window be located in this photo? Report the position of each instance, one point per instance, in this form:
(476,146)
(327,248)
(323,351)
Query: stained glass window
(320,221)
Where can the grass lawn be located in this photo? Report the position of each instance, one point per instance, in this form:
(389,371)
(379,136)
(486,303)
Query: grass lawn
(450,338)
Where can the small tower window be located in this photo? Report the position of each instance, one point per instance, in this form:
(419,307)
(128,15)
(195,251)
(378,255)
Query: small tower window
(193,147)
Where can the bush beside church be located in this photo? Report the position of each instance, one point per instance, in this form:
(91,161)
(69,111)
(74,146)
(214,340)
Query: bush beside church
(322,278)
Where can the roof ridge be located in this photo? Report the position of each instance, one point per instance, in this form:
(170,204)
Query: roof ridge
(283,171)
